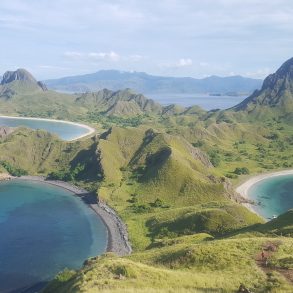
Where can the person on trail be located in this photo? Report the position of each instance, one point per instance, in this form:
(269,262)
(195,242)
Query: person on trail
(262,255)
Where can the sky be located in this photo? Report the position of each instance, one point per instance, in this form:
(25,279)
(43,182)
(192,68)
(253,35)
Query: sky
(196,38)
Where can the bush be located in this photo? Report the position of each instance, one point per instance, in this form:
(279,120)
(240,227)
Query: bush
(231,176)
(198,144)
(241,171)
(61,175)
(13,170)
(214,158)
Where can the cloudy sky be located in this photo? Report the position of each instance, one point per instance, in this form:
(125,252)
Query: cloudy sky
(197,38)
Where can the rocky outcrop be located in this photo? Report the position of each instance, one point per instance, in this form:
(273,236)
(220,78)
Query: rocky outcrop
(4,131)
(21,75)
(5,177)
(276,91)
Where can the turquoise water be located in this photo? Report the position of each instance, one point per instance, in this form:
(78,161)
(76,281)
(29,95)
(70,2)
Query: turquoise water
(43,229)
(64,130)
(275,195)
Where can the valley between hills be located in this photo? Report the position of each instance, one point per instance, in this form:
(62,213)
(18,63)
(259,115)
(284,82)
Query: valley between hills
(170,173)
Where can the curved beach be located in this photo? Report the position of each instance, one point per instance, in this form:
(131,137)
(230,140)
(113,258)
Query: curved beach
(118,241)
(244,187)
(90,129)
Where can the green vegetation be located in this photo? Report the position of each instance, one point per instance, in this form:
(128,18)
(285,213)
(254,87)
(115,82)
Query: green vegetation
(12,170)
(165,171)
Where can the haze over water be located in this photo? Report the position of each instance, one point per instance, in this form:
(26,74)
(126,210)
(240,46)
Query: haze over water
(44,229)
(205,101)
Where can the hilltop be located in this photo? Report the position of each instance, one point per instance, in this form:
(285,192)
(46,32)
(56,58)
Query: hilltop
(275,96)
(12,80)
(169,173)
(120,103)
(146,84)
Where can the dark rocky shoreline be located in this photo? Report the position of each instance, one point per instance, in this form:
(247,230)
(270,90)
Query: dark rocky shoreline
(118,241)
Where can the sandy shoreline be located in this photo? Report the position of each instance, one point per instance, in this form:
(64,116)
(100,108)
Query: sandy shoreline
(243,188)
(90,129)
(118,241)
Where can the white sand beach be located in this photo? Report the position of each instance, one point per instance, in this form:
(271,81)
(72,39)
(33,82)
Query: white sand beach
(90,129)
(244,187)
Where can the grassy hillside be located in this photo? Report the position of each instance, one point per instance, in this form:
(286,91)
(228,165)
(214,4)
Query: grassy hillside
(167,172)
(192,264)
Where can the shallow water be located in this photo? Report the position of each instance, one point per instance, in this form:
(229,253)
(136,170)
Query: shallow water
(275,195)
(44,229)
(64,130)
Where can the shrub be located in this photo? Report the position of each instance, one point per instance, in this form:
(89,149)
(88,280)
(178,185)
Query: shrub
(214,158)
(241,171)
(13,170)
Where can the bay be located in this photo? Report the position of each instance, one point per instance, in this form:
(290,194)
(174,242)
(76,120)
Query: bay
(274,194)
(44,229)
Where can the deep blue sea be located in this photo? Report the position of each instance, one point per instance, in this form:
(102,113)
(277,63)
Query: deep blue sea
(205,101)
(275,195)
(64,130)
(43,230)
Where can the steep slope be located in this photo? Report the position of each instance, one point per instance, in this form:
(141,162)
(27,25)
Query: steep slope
(20,79)
(21,94)
(145,83)
(122,102)
(275,96)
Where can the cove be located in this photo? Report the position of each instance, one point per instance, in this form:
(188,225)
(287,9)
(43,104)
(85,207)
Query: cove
(274,195)
(64,129)
(44,229)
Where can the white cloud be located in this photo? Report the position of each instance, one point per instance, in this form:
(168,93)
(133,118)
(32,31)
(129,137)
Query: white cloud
(93,56)
(259,73)
(216,32)
(109,56)
(184,62)
(135,58)
(74,55)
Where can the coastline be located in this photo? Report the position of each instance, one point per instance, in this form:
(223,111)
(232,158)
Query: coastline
(117,241)
(244,187)
(90,129)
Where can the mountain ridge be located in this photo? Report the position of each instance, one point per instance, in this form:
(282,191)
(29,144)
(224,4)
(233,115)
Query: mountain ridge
(276,94)
(20,78)
(146,83)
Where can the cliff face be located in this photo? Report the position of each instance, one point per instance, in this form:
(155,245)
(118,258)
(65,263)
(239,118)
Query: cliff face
(23,77)
(276,92)
(19,74)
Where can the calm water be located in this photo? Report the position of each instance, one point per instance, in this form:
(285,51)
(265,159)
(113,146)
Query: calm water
(43,229)
(205,101)
(64,130)
(275,195)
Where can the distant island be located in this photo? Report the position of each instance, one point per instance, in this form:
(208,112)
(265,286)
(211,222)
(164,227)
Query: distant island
(147,84)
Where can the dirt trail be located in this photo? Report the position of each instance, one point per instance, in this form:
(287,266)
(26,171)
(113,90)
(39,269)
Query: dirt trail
(263,260)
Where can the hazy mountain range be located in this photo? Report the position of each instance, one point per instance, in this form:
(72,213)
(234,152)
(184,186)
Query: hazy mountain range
(146,84)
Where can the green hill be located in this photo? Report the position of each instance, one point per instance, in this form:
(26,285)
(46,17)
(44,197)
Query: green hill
(169,180)
(274,98)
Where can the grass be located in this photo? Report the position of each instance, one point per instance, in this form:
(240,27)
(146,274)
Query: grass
(192,265)
(187,233)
